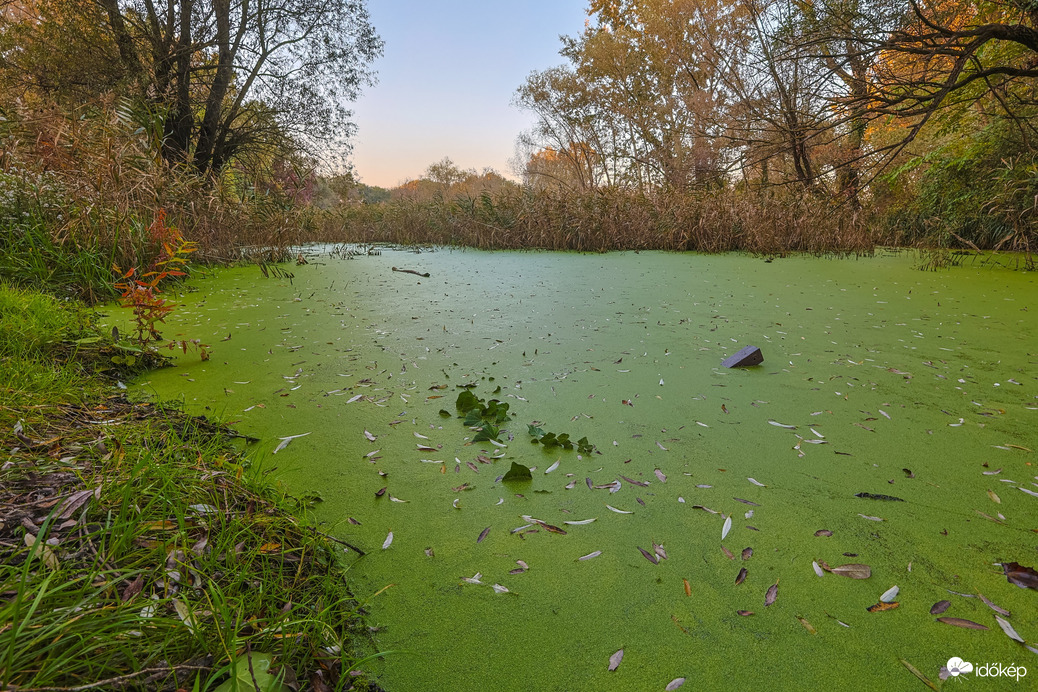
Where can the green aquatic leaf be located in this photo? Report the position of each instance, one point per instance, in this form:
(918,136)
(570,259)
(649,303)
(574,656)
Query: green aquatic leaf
(518,472)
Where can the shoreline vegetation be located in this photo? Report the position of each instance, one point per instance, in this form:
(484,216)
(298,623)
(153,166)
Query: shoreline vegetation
(139,547)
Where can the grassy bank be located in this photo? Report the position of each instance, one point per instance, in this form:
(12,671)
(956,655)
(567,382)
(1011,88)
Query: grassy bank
(138,547)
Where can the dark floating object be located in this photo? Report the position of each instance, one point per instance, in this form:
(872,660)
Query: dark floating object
(744,358)
(939,607)
(1020,575)
(874,496)
(412,271)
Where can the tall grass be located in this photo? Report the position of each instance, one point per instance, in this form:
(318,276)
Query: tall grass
(767,222)
(138,548)
(79,195)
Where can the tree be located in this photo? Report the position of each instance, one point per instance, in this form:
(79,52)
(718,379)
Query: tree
(225,74)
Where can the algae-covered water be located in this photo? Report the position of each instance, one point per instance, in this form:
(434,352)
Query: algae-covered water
(878,378)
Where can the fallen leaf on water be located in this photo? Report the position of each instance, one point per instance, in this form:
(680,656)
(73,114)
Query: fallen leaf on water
(919,675)
(590,555)
(771,595)
(989,604)
(649,556)
(741,577)
(747,553)
(1021,575)
(782,425)
(992,473)
(614,660)
(745,613)
(388,542)
(380,492)
(994,497)
(658,444)
(475,579)
(866,516)
(659,550)
(881,606)
(1008,629)
(369,436)
(807,625)
(745,502)
(853,571)
(426,448)
(674,684)
(581,522)
(965,624)
(726,528)
(396,499)
(756,482)
(286,440)
(817,569)
(500,589)
(660,475)
(727,553)
(1029,492)
(889,595)
(553,467)
(618,511)
(688,587)
(939,607)
(483,534)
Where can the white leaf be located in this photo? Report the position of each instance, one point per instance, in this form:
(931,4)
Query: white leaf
(499,589)
(388,542)
(590,555)
(580,523)
(756,482)
(553,467)
(889,595)
(726,528)
(618,511)
(818,569)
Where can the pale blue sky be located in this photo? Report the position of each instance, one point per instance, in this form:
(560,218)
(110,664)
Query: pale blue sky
(446,81)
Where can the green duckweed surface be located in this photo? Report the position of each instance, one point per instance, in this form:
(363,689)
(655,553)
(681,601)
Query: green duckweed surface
(878,378)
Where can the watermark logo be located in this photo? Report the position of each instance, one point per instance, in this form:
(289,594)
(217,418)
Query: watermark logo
(956,667)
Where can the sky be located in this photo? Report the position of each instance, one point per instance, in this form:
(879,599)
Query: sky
(447,79)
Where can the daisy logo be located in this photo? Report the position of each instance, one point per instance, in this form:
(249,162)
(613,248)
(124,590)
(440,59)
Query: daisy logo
(956,666)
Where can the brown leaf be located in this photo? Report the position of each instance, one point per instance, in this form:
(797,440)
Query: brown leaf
(614,660)
(772,594)
(472,466)
(642,484)
(989,604)
(728,553)
(649,556)
(939,607)
(380,492)
(745,613)
(74,502)
(747,553)
(807,625)
(133,588)
(688,587)
(823,532)
(741,576)
(853,571)
(965,624)
(881,606)
(1021,575)
(483,534)
(745,502)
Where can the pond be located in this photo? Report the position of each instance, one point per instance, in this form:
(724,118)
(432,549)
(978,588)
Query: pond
(891,425)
